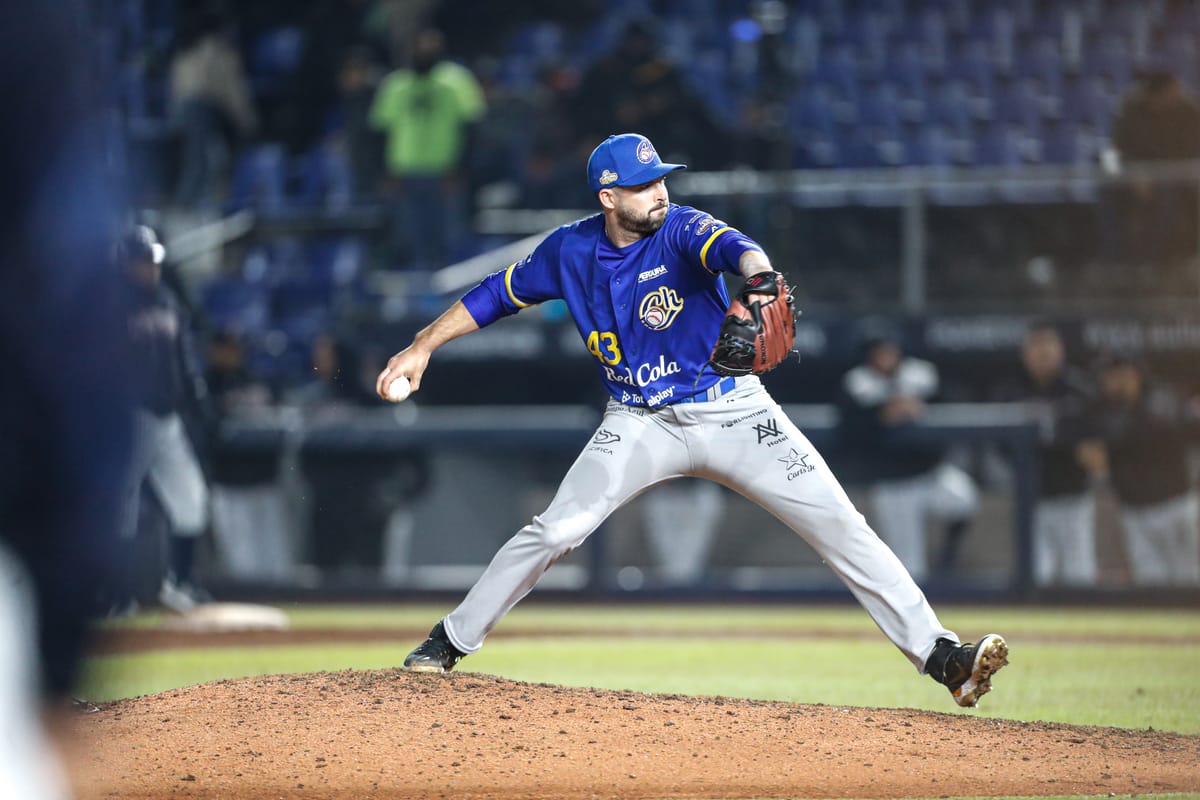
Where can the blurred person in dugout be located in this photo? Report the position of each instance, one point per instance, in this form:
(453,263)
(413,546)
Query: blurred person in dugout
(1153,222)
(681,519)
(250,520)
(359,514)
(165,481)
(211,106)
(1064,520)
(1143,433)
(881,401)
(426,113)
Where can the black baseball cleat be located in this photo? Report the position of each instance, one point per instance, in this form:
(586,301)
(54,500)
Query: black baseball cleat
(967,669)
(435,654)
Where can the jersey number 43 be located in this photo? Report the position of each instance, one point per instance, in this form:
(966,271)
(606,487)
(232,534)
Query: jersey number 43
(603,345)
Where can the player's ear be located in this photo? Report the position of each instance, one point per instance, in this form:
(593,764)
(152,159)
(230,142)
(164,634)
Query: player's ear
(608,199)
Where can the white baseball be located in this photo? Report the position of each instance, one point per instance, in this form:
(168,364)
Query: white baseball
(399,389)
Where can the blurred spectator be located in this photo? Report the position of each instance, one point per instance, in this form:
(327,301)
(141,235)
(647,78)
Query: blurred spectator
(250,521)
(353,493)
(338,383)
(360,143)
(551,171)
(331,30)
(64,398)
(880,402)
(636,88)
(211,106)
(1155,222)
(1064,522)
(1142,449)
(164,464)
(427,112)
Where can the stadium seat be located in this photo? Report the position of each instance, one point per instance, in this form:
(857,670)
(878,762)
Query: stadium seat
(274,56)
(1018,105)
(260,179)
(325,179)
(232,304)
(336,261)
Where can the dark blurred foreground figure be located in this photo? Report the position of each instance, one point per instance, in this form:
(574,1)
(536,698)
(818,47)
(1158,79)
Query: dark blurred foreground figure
(64,413)
(1141,448)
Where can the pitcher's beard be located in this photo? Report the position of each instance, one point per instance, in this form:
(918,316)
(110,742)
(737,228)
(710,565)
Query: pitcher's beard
(643,225)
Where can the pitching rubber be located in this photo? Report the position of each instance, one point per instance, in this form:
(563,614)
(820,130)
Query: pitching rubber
(990,655)
(432,668)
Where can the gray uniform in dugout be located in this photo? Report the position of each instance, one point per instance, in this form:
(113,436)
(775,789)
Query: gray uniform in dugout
(643,284)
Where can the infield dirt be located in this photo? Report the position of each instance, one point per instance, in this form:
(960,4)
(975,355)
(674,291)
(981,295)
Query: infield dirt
(388,734)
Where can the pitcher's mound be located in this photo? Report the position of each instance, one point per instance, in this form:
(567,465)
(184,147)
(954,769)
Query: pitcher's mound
(390,734)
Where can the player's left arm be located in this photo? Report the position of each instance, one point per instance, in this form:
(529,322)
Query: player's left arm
(714,245)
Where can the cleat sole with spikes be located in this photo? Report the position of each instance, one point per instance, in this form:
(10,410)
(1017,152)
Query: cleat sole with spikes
(990,655)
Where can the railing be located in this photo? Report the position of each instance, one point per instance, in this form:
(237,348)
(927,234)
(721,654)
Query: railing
(562,430)
(909,191)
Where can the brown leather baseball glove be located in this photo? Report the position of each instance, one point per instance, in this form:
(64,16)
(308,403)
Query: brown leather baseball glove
(759,329)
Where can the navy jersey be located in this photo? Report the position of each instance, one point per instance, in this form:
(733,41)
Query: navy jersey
(648,312)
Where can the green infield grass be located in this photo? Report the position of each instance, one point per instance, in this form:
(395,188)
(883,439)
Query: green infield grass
(1095,667)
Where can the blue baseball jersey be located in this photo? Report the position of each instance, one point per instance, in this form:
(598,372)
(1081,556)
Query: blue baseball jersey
(648,313)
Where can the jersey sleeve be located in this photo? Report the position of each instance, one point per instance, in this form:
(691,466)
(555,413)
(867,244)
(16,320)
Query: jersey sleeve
(532,280)
(707,241)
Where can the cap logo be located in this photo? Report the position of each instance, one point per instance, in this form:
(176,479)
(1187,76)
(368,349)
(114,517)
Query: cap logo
(607,177)
(645,151)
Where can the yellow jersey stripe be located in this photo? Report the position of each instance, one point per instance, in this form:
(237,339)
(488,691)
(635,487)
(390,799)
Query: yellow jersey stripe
(508,288)
(708,244)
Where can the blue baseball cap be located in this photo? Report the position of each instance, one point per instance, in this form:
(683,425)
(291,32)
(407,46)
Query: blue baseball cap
(626,159)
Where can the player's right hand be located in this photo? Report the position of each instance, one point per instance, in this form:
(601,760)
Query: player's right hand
(409,362)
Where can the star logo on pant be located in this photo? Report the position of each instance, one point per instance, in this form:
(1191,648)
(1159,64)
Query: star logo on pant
(794,459)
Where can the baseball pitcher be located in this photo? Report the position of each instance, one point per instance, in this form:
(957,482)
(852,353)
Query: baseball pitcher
(642,280)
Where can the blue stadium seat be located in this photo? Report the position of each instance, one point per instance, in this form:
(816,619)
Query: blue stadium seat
(336,261)
(260,178)
(232,304)
(1090,102)
(1041,61)
(1179,55)
(950,106)
(1109,58)
(971,63)
(1018,105)
(905,69)
(879,109)
(810,113)
(274,56)
(325,179)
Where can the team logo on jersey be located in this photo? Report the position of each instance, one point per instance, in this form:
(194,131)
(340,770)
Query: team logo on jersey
(645,152)
(607,177)
(796,464)
(651,274)
(659,308)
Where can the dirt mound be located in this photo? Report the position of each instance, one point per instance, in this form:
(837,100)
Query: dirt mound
(389,734)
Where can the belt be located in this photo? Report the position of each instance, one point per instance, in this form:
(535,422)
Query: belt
(724,386)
